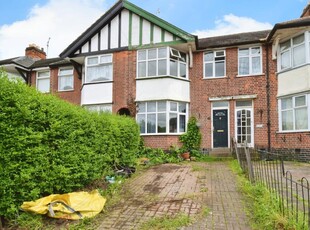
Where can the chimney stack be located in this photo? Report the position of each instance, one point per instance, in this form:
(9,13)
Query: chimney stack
(33,51)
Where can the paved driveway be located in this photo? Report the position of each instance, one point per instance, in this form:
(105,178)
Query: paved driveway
(186,188)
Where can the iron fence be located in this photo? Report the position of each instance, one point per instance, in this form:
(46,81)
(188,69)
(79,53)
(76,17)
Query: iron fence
(268,169)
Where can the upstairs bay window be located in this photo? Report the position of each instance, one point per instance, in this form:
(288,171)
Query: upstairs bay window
(162,117)
(250,61)
(99,68)
(214,64)
(294,115)
(43,81)
(163,61)
(292,52)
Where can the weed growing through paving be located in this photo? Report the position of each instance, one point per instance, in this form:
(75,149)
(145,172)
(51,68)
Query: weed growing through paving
(264,208)
(167,222)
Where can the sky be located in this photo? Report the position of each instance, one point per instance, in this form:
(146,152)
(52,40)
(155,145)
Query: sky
(55,24)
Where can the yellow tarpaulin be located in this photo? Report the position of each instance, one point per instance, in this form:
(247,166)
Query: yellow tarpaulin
(75,205)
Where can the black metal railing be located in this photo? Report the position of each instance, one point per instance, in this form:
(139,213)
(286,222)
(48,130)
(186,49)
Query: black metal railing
(268,169)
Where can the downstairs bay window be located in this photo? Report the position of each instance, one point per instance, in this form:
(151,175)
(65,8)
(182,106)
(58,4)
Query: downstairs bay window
(294,113)
(162,117)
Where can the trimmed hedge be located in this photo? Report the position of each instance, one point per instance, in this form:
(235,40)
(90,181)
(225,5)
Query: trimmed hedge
(50,146)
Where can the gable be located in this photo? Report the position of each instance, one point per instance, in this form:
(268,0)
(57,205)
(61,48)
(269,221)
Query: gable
(125,26)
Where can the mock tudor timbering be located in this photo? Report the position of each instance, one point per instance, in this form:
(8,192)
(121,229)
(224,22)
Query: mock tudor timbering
(252,86)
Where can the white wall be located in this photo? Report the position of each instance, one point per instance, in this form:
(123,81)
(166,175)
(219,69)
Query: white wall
(294,81)
(97,93)
(162,89)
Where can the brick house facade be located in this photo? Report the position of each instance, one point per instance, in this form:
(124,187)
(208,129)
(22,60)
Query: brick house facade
(238,86)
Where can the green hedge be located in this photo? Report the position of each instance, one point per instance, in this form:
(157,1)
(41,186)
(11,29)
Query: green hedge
(50,146)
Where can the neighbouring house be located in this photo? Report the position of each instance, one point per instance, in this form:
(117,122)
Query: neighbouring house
(252,87)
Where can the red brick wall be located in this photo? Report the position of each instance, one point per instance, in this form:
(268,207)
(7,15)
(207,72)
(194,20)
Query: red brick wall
(124,83)
(203,89)
(162,141)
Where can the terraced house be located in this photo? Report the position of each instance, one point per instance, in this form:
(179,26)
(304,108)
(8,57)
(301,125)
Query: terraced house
(251,86)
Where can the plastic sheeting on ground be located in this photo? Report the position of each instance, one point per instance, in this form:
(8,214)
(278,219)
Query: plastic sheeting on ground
(75,205)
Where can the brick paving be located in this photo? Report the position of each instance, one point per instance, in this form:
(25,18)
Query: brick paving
(190,188)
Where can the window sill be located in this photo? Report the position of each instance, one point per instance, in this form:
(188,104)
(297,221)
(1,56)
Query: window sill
(251,75)
(292,68)
(214,78)
(293,131)
(63,91)
(162,77)
(160,134)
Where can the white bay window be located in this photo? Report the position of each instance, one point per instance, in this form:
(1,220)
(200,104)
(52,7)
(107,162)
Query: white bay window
(99,68)
(162,117)
(163,61)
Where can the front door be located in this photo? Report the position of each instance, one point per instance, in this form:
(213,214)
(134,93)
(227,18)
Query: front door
(220,128)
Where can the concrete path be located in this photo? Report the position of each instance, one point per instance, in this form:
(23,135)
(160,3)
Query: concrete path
(187,188)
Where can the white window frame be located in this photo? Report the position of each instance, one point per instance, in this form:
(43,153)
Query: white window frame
(290,51)
(247,108)
(171,54)
(167,117)
(108,63)
(65,76)
(43,78)
(213,62)
(99,108)
(307,98)
(251,56)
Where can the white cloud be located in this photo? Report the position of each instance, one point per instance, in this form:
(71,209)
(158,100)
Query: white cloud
(61,20)
(231,24)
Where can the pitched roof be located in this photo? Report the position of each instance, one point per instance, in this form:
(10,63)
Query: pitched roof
(23,61)
(289,24)
(49,62)
(232,39)
(111,13)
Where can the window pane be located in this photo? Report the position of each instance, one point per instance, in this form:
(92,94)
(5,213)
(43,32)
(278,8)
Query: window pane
(255,51)
(286,103)
(287,120)
(162,52)
(141,107)
(43,74)
(285,60)
(244,66)
(219,69)
(208,56)
(285,45)
(173,123)
(162,67)
(300,101)
(161,123)
(151,107)
(208,70)
(173,68)
(182,107)
(161,106)
(220,104)
(219,53)
(65,71)
(142,55)
(299,55)
(142,69)
(256,67)
(243,52)
(99,73)
(243,103)
(173,106)
(151,123)
(92,61)
(65,82)
(106,59)
(43,85)
(182,123)
(299,39)
(151,68)
(183,70)
(141,122)
(152,54)
(301,118)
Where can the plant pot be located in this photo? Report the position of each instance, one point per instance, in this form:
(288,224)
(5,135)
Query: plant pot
(185,155)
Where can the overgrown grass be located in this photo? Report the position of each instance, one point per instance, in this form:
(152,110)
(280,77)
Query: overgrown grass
(167,222)
(264,210)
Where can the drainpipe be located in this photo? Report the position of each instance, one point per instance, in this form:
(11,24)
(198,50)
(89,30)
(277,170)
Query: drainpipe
(190,56)
(268,98)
